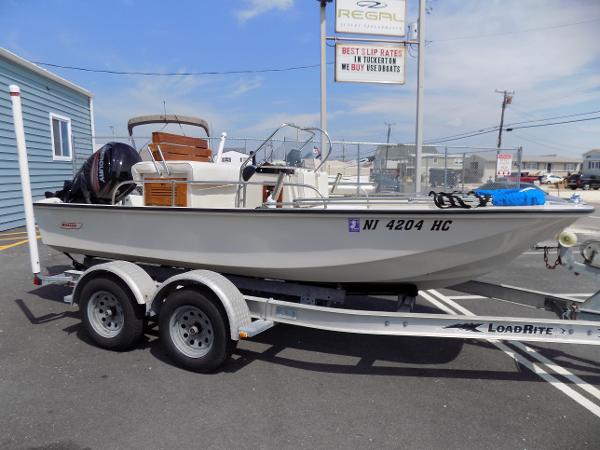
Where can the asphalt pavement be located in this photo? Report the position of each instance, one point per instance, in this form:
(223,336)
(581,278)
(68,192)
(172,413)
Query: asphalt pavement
(292,387)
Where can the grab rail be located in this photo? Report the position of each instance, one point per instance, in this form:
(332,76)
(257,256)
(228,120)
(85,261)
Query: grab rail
(219,183)
(310,130)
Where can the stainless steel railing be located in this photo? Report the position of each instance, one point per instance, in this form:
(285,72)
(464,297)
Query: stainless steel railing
(213,185)
(252,157)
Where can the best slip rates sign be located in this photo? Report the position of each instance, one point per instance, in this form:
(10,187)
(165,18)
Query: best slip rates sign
(370,63)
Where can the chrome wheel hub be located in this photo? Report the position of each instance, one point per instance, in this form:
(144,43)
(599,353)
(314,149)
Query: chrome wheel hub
(105,314)
(191,331)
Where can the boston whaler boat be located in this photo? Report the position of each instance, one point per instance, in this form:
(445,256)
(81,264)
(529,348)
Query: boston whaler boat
(278,220)
(265,242)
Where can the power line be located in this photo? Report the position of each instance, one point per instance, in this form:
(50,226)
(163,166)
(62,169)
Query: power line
(547,145)
(292,68)
(527,30)
(553,123)
(490,129)
(180,74)
(555,117)
(439,141)
(481,130)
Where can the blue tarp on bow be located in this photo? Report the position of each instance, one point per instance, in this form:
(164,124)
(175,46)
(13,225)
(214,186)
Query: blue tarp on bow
(515,197)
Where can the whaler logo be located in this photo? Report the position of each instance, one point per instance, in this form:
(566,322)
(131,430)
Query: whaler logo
(71,225)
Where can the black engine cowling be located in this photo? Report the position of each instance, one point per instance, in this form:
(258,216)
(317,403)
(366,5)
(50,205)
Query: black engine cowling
(99,176)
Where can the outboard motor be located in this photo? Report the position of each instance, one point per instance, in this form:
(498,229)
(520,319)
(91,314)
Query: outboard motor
(99,176)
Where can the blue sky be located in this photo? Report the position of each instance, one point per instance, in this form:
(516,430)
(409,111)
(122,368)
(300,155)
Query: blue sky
(529,46)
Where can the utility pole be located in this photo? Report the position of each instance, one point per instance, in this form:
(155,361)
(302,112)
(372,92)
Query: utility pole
(506,100)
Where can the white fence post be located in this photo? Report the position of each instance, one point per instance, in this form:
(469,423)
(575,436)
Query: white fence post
(15,95)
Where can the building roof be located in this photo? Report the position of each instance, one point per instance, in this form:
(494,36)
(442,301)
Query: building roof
(402,151)
(594,151)
(491,156)
(551,158)
(43,72)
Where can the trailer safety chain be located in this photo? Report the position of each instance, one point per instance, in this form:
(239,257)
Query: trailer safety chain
(556,263)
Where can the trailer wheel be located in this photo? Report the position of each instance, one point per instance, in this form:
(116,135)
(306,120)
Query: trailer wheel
(112,318)
(193,331)
(586,187)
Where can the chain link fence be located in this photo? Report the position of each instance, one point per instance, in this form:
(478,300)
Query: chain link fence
(370,167)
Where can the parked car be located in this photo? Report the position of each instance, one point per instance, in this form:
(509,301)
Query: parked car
(524,177)
(550,178)
(586,183)
(503,184)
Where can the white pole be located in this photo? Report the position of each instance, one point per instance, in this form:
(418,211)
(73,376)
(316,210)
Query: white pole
(221,147)
(323,74)
(15,95)
(420,90)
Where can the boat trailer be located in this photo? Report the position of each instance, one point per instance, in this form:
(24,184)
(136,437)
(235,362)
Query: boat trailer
(230,308)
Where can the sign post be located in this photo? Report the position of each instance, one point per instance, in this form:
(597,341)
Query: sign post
(420,92)
(323,122)
(359,60)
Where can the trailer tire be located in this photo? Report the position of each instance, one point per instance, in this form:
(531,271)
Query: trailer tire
(194,331)
(110,314)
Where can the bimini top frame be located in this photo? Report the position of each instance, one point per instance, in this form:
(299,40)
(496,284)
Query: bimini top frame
(166,118)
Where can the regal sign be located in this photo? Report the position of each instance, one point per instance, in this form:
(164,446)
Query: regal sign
(386,18)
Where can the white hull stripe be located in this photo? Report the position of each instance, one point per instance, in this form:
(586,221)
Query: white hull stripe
(446,305)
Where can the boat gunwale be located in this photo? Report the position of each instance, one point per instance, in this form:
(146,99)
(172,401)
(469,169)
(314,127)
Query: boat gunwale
(573,210)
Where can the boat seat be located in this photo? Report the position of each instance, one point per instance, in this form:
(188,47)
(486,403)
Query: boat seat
(175,147)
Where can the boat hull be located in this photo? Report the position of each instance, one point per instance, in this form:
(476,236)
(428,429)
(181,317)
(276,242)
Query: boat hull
(425,247)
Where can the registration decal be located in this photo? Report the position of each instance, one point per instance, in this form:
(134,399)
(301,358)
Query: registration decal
(355,225)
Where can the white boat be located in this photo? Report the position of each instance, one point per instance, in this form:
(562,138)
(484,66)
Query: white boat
(279,222)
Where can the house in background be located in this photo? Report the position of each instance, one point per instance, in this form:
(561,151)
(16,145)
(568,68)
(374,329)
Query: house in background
(556,164)
(481,167)
(234,156)
(59,130)
(591,162)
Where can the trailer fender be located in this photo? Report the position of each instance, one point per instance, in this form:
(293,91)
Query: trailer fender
(229,296)
(135,278)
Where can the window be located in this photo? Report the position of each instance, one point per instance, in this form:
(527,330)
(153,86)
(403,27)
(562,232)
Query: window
(570,167)
(226,159)
(60,133)
(531,166)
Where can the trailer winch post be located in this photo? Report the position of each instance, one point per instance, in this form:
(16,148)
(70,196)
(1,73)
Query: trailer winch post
(15,96)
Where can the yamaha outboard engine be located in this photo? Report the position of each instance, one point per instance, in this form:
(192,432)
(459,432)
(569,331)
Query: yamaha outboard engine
(99,176)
